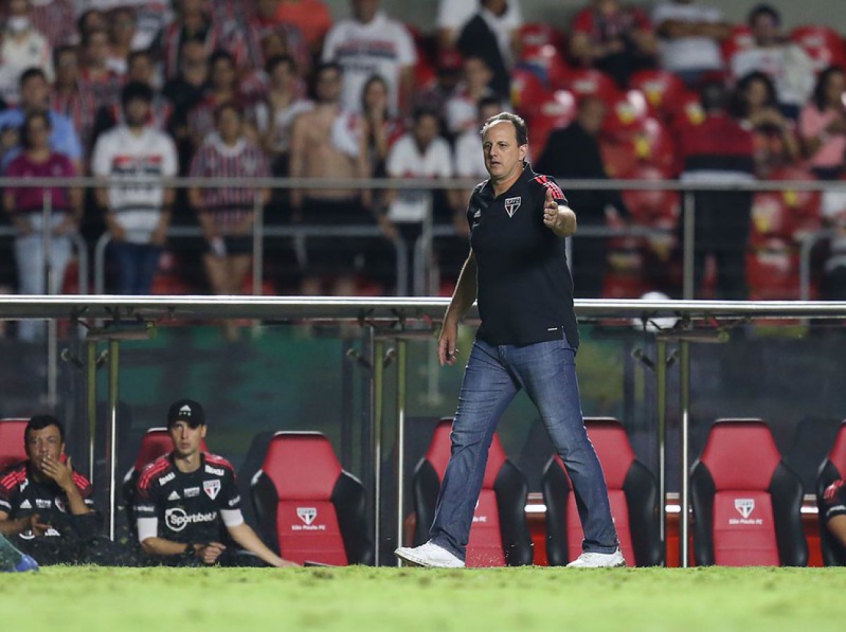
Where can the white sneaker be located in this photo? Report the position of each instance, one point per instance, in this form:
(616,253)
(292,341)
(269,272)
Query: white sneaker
(598,560)
(429,555)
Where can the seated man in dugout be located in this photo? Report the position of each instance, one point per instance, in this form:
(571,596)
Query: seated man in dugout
(835,511)
(188,506)
(46,509)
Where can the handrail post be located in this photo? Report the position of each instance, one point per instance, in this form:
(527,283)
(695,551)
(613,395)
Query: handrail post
(688,245)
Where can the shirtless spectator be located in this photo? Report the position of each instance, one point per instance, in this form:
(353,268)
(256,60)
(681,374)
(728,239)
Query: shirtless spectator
(314,154)
(370,44)
(613,38)
(786,63)
(690,34)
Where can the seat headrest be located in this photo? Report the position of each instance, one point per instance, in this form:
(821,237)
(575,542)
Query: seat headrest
(302,466)
(155,443)
(741,454)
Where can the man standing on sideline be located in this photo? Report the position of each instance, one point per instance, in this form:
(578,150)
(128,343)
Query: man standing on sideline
(528,338)
(188,506)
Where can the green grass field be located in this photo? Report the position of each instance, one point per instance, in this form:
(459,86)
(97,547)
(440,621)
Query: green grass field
(372,599)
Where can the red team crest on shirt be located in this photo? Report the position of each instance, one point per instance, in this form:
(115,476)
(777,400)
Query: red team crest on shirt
(512,204)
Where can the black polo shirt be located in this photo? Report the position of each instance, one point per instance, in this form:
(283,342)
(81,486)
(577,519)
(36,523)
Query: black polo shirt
(525,291)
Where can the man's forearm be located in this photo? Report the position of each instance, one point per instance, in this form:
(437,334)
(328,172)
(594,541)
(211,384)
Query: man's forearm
(13,527)
(162,547)
(465,291)
(249,541)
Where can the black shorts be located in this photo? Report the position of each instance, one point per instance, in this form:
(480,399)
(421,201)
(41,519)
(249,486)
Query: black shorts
(235,245)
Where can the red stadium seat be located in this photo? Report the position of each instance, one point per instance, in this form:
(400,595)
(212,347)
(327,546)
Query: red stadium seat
(833,468)
(619,158)
(823,45)
(12,438)
(308,508)
(632,491)
(527,91)
(655,146)
(806,205)
(626,117)
(772,271)
(155,443)
(738,40)
(746,501)
(500,533)
(541,47)
(663,90)
(652,208)
(589,82)
(557,110)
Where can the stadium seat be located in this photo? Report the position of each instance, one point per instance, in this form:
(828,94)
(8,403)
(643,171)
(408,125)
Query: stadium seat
(588,82)
(626,116)
(555,111)
(500,532)
(663,90)
(307,507)
(12,448)
(772,271)
(806,206)
(632,491)
(823,45)
(527,91)
(746,501)
(541,47)
(739,39)
(155,443)
(831,469)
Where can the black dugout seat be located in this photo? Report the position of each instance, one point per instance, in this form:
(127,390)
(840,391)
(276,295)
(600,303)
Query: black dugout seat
(500,533)
(746,501)
(307,507)
(632,492)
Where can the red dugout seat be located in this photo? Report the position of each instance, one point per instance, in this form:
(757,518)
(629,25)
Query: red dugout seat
(746,501)
(12,441)
(308,508)
(632,491)
(500,533)
(831,469)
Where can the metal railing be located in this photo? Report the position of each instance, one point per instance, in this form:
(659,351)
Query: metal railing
(406,318)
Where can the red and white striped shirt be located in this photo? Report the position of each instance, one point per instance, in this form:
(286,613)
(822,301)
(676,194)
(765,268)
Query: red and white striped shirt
(55,19)
(214,159)
(215,37)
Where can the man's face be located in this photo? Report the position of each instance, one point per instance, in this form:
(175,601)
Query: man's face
(194,56)
(266,8)
(223,74)
(591,116)
(140,69)
(67,68)
(34,93)
(137,112)
(186,440)
(765,30)
(18,8)
(42,445)
(329,86)
(97,50)
(476,73)
(426,130)
(365,10)
(229,125)
(503,156)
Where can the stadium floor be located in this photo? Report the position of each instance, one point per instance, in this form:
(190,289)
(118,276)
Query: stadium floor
(373,599)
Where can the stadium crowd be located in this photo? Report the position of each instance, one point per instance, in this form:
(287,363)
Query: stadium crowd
(145,88)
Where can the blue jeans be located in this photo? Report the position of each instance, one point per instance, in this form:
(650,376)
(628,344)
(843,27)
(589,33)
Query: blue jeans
(494,375)
(136,266)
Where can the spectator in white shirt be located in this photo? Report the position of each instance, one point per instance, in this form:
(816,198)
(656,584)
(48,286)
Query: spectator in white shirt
(689,38)
(372,44)
(784,62)
(137,215)
(469,157)
(421,153)
(23,46)
(488,35)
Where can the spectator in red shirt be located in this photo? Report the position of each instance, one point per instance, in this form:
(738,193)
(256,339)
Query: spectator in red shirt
(311,17)
(616,39)
(25,207)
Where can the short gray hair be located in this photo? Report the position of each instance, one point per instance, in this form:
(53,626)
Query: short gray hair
(519,124)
